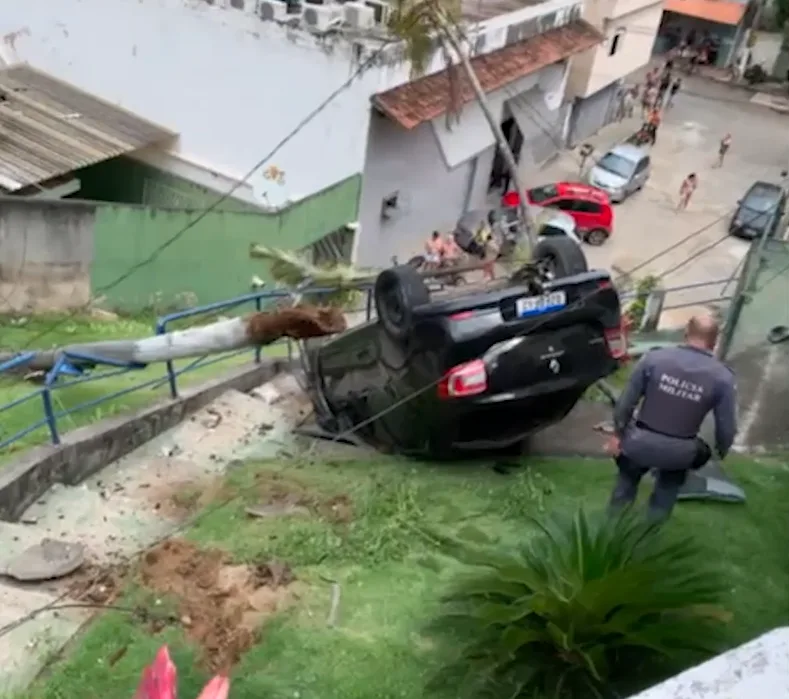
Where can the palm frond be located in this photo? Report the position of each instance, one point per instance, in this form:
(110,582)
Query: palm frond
(289,268)
(419,24)
(570,611)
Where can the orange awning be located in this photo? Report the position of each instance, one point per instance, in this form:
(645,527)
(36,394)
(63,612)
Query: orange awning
(718,11)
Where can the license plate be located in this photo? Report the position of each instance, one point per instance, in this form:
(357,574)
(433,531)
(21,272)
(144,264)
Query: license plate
(536,305)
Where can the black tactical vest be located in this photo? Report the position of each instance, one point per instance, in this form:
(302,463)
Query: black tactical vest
(681,389)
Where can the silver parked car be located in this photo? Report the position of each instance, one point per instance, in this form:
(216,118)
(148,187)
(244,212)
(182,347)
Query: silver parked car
(621,171)
(502,224)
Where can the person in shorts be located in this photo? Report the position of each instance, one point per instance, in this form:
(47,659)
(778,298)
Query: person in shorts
(723,148)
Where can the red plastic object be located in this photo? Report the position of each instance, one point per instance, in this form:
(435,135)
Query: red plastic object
(160,681)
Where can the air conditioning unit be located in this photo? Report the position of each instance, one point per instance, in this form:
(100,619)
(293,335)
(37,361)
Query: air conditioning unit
(273,10)
(358,15)
(381,10)
(321,17)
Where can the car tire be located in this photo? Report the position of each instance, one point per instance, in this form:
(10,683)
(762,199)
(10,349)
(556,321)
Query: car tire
(596,237)
(397,292)
(563,254)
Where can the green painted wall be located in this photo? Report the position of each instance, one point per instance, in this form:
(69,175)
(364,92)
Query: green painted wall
(210,261)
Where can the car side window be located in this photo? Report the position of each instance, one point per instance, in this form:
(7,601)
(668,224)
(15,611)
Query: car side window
(565,204)
(587,207)
(642,165)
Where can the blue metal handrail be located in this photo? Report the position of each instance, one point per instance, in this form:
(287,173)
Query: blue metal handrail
(71,364)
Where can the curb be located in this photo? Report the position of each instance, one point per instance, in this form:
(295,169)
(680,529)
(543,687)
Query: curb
(87,450)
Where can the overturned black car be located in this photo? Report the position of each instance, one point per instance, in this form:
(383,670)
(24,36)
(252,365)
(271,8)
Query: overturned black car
(481,370)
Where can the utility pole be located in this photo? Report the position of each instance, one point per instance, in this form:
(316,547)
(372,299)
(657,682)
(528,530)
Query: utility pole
(455,42)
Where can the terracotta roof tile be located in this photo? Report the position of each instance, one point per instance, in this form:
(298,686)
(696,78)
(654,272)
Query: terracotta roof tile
(427,98)
(718,11)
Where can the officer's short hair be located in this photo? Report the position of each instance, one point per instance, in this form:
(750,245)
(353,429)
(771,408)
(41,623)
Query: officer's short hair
(704,328)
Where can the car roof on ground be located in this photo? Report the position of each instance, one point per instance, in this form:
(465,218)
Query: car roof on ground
(628,151)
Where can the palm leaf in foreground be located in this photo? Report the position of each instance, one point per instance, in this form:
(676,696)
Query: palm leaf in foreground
(580,607)
(289,268)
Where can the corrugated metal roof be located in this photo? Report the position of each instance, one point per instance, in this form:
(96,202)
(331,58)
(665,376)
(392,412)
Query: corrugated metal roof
(718,11)
(49,128)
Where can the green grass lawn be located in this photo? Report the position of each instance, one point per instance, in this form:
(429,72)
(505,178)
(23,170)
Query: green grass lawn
(389,577)
(53,331)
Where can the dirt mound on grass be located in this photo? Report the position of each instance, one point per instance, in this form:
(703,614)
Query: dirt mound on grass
(222,606)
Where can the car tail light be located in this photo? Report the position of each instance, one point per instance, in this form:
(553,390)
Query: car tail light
(463,315)
(616,342)
(511,199)
(469,379)
(605,284)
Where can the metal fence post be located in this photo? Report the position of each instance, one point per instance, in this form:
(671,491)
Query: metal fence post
(46,397)
(750,267)
(161,329)
(258,349)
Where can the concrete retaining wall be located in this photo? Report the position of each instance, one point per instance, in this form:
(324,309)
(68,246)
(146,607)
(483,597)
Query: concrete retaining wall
(46,249)
(87,450)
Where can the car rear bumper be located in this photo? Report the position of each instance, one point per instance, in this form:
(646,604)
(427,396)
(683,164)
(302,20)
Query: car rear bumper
(490,422)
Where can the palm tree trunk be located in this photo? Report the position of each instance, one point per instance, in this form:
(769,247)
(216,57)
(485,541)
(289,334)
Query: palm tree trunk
(495,127)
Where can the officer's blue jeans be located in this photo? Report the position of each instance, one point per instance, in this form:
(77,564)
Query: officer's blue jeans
(664,495)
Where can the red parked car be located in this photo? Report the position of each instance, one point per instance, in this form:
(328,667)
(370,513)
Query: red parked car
(589,207)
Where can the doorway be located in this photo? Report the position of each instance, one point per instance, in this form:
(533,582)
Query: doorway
(500,178)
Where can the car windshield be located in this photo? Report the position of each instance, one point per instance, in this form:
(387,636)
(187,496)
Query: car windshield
(540,194)
(756,208)
(611,162)
(760,199)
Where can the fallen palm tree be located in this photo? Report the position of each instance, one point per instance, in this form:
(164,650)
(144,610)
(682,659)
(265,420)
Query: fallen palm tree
(255,330)
(297,320)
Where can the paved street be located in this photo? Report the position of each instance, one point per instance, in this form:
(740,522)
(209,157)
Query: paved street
(687,142)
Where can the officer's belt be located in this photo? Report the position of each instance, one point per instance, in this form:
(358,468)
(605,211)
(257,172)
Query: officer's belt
(643,426)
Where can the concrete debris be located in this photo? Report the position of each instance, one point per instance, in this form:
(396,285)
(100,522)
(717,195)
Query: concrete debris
(47,560)
(278,509)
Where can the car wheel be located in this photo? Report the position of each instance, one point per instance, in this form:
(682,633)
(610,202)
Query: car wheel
(416,262)
(597,236)
(560,257)
(397,292)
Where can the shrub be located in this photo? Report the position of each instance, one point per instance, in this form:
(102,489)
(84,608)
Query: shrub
(636,309)
(160,681)
(586,603)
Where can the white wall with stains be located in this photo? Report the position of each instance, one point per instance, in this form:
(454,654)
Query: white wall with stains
(230,84)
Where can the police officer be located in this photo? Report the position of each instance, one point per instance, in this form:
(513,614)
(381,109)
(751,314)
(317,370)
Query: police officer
(679,386)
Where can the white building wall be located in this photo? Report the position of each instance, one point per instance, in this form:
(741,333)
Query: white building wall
(596,68)
(230,84)
(439,173)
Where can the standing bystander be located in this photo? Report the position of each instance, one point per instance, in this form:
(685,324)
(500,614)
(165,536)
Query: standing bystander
(686,190)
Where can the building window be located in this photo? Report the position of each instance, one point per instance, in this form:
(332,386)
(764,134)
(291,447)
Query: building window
(616,41)
(389,205)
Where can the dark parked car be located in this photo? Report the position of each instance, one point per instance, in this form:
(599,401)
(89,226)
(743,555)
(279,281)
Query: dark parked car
(479,370)
(759,211)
